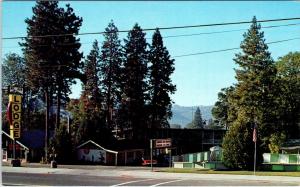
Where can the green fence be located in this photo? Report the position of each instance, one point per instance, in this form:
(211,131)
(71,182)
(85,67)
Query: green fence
(272,161)
(268,158)
(196,157)
(281,162)
(281,158)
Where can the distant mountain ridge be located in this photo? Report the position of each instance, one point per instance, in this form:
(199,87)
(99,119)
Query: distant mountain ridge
(183,115)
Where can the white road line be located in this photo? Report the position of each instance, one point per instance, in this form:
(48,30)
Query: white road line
(15,184)
(167,182)
(132,182)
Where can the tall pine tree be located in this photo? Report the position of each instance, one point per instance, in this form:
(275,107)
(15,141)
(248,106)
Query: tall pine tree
(162,66)
(91,95)
(255,92)
(197,122)
(110,71)
(134,85)
(68,57)
(52,61)
(90,114)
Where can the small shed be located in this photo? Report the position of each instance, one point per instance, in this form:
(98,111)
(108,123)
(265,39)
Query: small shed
(91,152)
(21,151)
(292,145)
(130,157)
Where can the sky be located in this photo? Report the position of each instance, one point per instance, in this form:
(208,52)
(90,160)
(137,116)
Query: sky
(198,78)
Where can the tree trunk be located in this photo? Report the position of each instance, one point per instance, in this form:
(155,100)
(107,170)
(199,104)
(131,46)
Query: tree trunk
(58,108)
(109,103)
(109,108)
(46,124)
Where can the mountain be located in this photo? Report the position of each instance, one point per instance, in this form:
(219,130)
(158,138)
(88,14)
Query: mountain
(183,115)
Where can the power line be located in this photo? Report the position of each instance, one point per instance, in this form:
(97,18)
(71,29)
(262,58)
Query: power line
(151,29)
(229,49)
(229,23)
(182,35)
(58,44)
(226,31)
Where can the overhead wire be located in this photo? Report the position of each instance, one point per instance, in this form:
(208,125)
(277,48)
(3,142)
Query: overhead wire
(226,31)
(229,49)
(151,29)
(182,35)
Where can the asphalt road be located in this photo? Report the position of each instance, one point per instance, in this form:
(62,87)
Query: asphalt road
(27,179)
(24,176)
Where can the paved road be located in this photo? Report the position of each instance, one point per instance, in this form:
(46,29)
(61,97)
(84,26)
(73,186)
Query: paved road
(123,176)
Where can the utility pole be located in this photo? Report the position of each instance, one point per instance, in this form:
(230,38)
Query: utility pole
(46,124)
(151,148)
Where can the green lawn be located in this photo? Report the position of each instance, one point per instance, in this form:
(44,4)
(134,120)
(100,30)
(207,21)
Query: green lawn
(207,171)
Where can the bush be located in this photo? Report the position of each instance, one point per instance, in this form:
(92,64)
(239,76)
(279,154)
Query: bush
(238,147)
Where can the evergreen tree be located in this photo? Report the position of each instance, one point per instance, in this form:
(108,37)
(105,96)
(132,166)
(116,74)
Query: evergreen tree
(134,85)
(238,148)
(38,59)
(256,80)
(13,75)
(88,124)
(89,120)
(162,66)
(288,76)
(254,98)
(52,62)
(198,118)
(13,70)
(76,108)
(91,95)
(197,122)
(221,109)
(60,148)
(110,70)
(89,108)
(69,57)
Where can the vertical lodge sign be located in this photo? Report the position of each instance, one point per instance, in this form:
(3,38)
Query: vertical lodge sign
(14,114)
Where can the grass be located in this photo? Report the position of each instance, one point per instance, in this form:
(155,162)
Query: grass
(207,171)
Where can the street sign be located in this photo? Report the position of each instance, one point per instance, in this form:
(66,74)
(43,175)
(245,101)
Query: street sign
(162,143)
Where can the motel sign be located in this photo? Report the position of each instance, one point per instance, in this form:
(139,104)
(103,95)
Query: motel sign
(162,143)
(14,112)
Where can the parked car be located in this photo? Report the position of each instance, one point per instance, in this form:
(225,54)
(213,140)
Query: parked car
(147,162)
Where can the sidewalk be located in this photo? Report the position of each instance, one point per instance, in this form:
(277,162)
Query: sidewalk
(87,167)
(137,172)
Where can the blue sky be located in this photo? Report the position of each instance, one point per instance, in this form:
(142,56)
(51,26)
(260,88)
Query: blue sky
(198,78)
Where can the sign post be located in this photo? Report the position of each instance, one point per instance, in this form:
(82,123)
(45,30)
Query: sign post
(158,144)
(170,158)
(254,140)
(14,111)
(151,152)
(14,117)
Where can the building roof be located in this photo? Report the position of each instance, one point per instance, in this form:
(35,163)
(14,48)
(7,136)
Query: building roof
(291,144)
(18,142)
(90,141)
(35,139)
